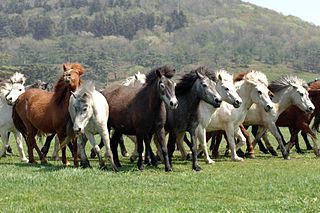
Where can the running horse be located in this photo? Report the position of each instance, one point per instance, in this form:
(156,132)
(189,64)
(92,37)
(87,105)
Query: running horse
(38,111)
(141,111)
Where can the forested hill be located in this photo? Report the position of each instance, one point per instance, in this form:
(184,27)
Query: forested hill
(114,38)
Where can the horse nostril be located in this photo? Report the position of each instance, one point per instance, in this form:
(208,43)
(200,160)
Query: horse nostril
(217,100)
(269,107)
(311,108)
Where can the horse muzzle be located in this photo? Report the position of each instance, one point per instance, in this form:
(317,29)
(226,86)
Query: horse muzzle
(268,108)
(173,103)
(237,103)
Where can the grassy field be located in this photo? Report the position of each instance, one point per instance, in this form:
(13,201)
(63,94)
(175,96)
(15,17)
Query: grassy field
(264,184)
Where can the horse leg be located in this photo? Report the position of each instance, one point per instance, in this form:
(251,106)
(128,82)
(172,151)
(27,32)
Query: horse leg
(74,151)
(134,154)
(84,162)
(201,135)
(250,149)
(123,148)
(56,148)
(305,138)
(184,154)
(262,148)
(297,145)
(62,138)
(96,149)
(195,164)
(93,153)
(160,135)
(305,128)
(268,144)
(216,144)
(106,141)
(140,151)
(18,137)
(5,140)
(46,146)
(230,131)
(114,147)
(30,144)
(275,132)
(171,146)
(149,152)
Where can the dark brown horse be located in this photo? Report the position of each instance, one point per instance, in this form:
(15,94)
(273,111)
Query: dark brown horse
(38,111)
(141,111)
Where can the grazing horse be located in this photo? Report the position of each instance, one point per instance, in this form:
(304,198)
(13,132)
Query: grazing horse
(39,111)
(194,87)
(9,91)
(89,112)
(141,111)
(252,88)
(228,93)
(287,91)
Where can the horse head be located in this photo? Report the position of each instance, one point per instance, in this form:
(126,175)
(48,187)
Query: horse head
(16,88)
(226,88)
(166,86)
(206,88)
(71,75)
(259,93)
(81,106)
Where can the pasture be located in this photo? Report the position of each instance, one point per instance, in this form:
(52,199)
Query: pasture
(264,184)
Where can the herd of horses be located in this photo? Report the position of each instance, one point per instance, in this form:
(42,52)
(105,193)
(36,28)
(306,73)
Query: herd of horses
(205,103)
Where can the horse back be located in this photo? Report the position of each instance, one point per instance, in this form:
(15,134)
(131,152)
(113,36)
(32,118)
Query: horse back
(37,109)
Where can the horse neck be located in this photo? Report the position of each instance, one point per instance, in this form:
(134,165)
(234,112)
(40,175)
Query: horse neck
(191,100)
(282,100)
(151,98)
(244,92)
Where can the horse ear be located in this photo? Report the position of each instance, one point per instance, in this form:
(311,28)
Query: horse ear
(219,77)
(65,68)
(81,70)
(74,95)
(199,75)
(136,76)
(158,73)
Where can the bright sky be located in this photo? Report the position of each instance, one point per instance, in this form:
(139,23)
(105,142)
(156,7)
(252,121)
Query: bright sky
(307,10)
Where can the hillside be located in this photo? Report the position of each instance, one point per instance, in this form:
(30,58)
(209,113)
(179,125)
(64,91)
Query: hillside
(115,38)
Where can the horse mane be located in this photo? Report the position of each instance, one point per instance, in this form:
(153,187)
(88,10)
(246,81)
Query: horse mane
(286,81)
(224,75)
(17,78)
(165,70)
(60,90)
(253,75)
(187,80)
(74,66)
(314,84)
(86,88)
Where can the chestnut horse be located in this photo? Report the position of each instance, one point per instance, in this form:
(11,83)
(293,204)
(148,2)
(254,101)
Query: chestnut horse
(141,111)
(38,111)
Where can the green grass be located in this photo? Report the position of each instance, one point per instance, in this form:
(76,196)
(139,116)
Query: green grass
(264,184)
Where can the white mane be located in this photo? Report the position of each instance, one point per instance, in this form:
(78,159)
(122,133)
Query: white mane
(17,78)
(257,77)
(224,75)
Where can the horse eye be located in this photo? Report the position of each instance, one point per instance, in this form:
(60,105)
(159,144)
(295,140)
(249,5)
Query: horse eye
(204,85)
(227,89)
(84,109)
(301,94)
(20,90)
(259,92)
(162,85)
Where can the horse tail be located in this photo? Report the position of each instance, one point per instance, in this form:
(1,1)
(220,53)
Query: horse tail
(17,121)
(316,122)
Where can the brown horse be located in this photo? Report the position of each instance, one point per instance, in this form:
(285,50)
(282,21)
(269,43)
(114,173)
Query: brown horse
(38,111)
(141,111)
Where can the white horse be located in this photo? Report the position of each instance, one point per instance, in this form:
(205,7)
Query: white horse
(252,88)
(136,80)
(89,112)
(287,90)
(9,92)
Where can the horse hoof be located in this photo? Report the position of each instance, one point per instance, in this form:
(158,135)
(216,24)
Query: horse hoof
(209,161)
(197,168)
(188,157)
(168,169)
(239,159)
(125,154)
(103,167)
(132,159)
(250,155)
(299,151)
(227,153)
(93,154)
(240,153)
(24,160)
(273,152)
(44,162)
(9,153)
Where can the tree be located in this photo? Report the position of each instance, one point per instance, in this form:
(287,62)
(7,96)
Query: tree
(41,27)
